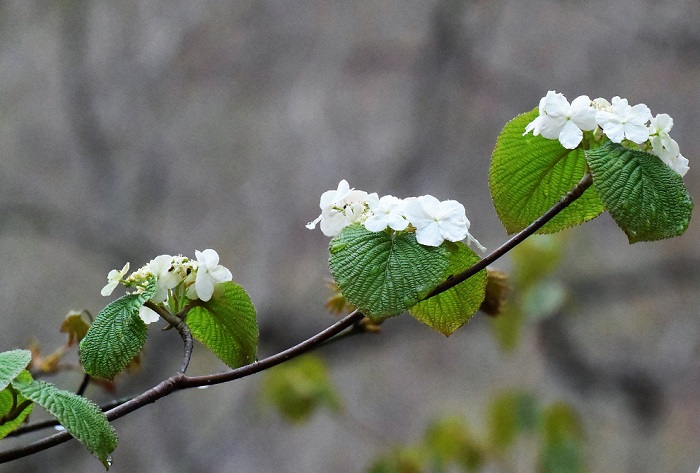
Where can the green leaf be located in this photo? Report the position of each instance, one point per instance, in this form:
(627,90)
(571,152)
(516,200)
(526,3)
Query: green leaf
(299,387)
(82,418)
(646,198)
(509,414)
(529,174)
(13,411)
(116,337)
(12,363)
(451,309)
(227,325)
(384,274)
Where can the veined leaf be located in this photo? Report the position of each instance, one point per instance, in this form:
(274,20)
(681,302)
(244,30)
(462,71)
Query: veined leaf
(384,274)
(82,418)
(529,174)
(227,325)
(449,310)
(11,407)
(12,363)
(646,198)
(116,337)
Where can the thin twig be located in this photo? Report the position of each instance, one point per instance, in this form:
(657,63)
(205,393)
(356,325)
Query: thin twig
(181,328)
(179,381)
(516,239)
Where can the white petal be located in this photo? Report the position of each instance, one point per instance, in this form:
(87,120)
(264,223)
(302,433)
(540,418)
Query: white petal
(220,274)
(311,225)
(376,223)
(636,133)
(453,231)
(639,114)
(204,286)
(109,288)
(556,104)
(429,235)
(570,136)
(550,127)
(148,315)
(614,131)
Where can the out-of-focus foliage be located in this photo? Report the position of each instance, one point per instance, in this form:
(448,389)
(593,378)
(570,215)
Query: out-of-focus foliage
(534,295)
(299,387)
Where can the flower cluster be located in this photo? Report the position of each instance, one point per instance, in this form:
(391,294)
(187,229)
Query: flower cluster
(560,120)
(176,277)
(432,220)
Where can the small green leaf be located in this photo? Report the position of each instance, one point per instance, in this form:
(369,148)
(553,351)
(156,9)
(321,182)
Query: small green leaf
(529,174)
(646,198)
(13,410)
(509,414)
(82,418)
(451,309)
(384,274)
(116,337)
(299,387)
(227,325)
(12,363)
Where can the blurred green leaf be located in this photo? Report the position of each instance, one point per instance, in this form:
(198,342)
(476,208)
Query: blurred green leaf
(116,336)
(299,387)
(82,418)
(535,258)
(384,274)
(448,442)
(12,363)
(451,309)
(227,325)
(507,327)
(544,299)
(529,174)
(562,435)
(400,460)
(647,199)
(509,414)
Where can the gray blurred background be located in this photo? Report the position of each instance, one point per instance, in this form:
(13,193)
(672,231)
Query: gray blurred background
(131,128)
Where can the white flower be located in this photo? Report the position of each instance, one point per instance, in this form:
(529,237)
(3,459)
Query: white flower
(113,279)
(167,276)
(624,121)
(661,143)
(437,221)
(386,212)
(209,273)
(339,208)
(148,315)
(563,121)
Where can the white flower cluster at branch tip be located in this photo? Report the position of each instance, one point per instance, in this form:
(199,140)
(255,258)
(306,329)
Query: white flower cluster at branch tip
(432,220)
(560,120)
(175,276)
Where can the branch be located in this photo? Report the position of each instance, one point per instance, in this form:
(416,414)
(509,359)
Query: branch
(180,381)
(576,192)
(181,327)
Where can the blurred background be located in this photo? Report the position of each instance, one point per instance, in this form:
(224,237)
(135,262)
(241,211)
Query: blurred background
(132,128)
